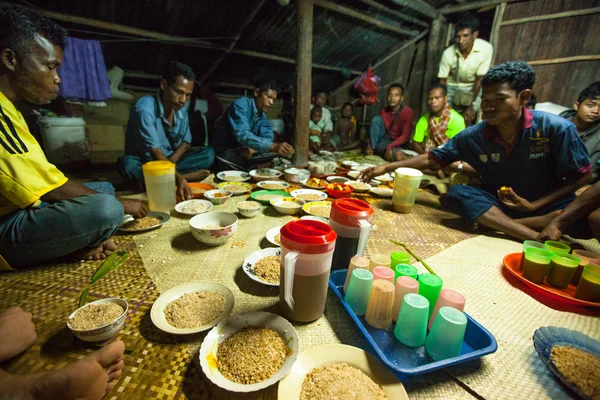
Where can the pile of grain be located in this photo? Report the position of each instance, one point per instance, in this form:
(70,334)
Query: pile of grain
(195,309)
(251,355)
(95,316)
(141,223)
(266,197)
(197,191)
(267,269)
(277,238)
(194,207)
(289,204)
(309,196)
(235,188)
(579,368)
(339,381)
(249,205)
(272,186)
(321,211)
(212,227)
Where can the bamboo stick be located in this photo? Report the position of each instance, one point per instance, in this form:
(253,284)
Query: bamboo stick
(473,6)
(495,36)
(565,60)
(419,259)
(395,13)
(566,14)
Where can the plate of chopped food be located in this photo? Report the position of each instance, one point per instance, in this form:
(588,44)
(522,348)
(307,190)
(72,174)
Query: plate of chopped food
(152,220)
(193,207)
(318,208)
(339,371)
(192,307)
(249,352)
(572,356)
(236,188)
(273,236)
(263,266)
(233,176)
(197,189)
(273,185)
(314,183)
(309,194)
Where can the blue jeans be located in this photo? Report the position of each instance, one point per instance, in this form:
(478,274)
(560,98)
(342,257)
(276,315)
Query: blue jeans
(36,234)
(130,167)
(379,137)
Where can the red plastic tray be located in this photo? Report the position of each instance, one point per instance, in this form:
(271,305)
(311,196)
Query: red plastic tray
(566,296)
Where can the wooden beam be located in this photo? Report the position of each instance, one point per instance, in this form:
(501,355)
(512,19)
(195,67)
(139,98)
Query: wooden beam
(566,14)
(143,75)
(395,13)
(420,6)
(433,57)
(241,27)
(565,60)
(357,15)
(474,5)
(495,35)
(232,85)
(304,33)
(394,53)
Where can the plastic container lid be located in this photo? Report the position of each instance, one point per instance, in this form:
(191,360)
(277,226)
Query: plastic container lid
(308,236)
(349,212)
(409,173)
(158,168)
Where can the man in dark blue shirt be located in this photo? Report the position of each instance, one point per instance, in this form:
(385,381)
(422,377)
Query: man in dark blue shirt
(244,136)
(159,129)
(530,163)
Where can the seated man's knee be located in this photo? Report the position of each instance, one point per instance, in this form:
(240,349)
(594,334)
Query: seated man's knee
(594,220)
(105,210)
(399,156)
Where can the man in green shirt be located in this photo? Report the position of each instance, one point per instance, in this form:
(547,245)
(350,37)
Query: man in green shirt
(439,125)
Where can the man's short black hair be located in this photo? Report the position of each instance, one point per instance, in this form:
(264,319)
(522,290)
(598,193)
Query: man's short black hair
(348,104)
(439,85)
(264,84)
(396,85)
(175,69)
(518,74)
(468,22)
(591,92)
(19,27)
(532,102)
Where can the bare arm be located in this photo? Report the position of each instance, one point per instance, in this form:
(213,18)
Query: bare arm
(179,152)
(418,147)
(420,162)
(477,87)
(581,207)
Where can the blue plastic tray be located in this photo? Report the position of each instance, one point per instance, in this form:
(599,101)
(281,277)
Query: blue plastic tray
(410,361)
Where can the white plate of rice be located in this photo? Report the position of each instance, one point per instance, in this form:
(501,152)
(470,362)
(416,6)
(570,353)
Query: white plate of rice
(157,314)
(233,176)
(273,237)
(290,387)
(193,207)
(255,257)
(235,323)
(236,188)
(309,195)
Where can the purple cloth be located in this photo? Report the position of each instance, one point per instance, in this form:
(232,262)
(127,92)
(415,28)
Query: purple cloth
(83,72)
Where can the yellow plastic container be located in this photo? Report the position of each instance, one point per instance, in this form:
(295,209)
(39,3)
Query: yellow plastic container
(159,177)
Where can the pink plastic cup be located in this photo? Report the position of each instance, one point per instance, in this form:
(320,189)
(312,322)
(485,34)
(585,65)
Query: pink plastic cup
(448,298)
(384,273)
(355,262)
(404,285)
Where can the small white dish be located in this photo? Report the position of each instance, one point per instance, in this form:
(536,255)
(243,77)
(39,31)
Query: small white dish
(184,206)
(304,183)
(249,209)
(256,256)
(211,195)
(382,192)
(265,174)
(280,205)
(295,175)
(234,176)
(236,188)
(308,208)
(235,323)
(361,167)
(301,192)
(271,233)
(267,185)
(350,163)
(103,332)
(384,178)
(157,313)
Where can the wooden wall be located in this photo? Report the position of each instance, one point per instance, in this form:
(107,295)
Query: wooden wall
(550,39)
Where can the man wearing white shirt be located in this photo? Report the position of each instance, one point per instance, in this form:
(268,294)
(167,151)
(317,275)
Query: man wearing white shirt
(462,67)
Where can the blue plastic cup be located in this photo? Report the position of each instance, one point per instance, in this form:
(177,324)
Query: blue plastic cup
(411,327)
(447,334)
(359,290)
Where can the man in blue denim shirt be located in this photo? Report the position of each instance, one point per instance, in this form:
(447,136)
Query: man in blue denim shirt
(159,129)
(244,136)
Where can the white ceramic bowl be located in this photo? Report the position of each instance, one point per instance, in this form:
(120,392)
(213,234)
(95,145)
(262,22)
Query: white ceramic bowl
(103,332)
(277,204)
(299,192)
(249,212)
(214,236)
(265,174)
(233,176)
(235,323)
(282,184)
(210,195)
(180,207)
(295,175)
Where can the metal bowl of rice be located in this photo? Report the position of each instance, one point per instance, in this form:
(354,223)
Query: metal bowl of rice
(99,320)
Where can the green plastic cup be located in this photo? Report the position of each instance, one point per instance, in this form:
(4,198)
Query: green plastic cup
(447,334)
(359,290)
(430,286)
(562,268)
(399,257)
(536,264)
(528,244)
(555,246)
(411,327)
(405,270)
(589,284)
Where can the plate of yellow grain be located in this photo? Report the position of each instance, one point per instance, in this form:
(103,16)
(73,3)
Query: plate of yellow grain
(273,236)
(152,220)
(263,266)
(318,208)
(192,307)
(339,371)
(249,352)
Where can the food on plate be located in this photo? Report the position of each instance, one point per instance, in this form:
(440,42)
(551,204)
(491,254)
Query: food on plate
(95,316)
(579,368)
(277,238)
(267,269)
(195,309)
(251,355)
(309,196)
(234,178)
(266,197)
(289,204)
(359,185)
(220,194)
(337,186)
(248,205)
(194,207)
(339,381)
(338,180)
(235,188)
(273,186)
(321,211)
(197,191)
(141,223)
(316,183)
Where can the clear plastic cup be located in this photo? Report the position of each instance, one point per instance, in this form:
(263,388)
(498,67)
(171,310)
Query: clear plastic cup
(399,257)
(589,284)
(359,290)
(555,246)
(411,328)
(405,270)
(447,334)
(384,273)
(404,285)
(530,243)
(430,286)
(448,298)
(355,262)
(562,268)
(381,302)
(406,187)
(379,260)
(537,262)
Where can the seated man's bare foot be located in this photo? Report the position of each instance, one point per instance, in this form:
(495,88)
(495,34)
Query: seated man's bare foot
(90,378)
(196,176)
(96,253)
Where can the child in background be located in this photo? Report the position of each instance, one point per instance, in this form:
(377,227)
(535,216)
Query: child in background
(345,136)
(315,128)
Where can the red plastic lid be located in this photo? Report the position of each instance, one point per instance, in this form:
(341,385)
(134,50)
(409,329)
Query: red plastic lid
(308,236)
(349,211)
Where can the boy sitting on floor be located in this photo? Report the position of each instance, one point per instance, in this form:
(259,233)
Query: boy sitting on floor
(315,128)
(344,132)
